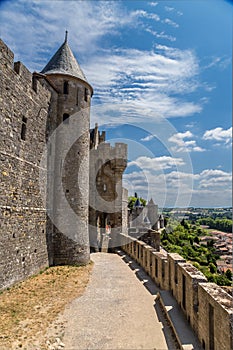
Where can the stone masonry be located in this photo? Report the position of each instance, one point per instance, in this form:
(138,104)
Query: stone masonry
(45,168)
(24,111)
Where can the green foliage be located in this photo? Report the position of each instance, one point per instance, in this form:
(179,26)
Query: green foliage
(224,225)
(213,268)
(179,238)
(132,200)
(228,274)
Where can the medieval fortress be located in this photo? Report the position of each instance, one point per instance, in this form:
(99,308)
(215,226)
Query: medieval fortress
(61,186)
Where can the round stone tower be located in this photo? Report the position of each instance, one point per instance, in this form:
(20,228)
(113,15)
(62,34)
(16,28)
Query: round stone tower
(70,122)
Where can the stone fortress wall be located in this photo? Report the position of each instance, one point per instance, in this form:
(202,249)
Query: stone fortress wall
(28,102)
(32,107)
(107,198)
(23,112)
(207,307)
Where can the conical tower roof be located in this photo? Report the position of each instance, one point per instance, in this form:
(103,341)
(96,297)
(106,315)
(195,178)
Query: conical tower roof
(64,62)
(151,202)
(137,203)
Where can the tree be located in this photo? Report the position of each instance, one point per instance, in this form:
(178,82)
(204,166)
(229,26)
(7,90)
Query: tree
(213,268)
(184,224)
(228,274)
(132,200)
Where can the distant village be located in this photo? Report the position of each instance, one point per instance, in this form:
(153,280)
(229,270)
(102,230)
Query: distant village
(222,242)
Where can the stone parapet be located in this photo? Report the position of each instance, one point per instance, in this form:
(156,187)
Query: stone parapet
(207,307)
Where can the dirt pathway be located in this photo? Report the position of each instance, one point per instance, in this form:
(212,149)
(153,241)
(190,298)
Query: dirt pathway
(116,311)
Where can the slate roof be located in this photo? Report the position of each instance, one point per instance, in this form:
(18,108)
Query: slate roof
(64,62)
(137,203)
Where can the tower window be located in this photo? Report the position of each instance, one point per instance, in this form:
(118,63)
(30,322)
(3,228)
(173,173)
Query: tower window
(77,97)
(66,118)
(23,128)
(105,187)
(34,83)
(66,88)
(86,94)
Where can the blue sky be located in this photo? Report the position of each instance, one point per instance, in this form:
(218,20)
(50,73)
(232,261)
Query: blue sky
(161,73)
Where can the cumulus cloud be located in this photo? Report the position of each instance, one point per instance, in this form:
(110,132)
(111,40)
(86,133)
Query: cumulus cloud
(182,145)
(157,163)
(148,138)
(215,178)
(209,187)
(219,134)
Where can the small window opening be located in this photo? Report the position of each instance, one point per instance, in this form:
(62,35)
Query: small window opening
(66,88)
(156,268)
(24,128)
(23,259)
(35,250)
(67,191)
(176,281)
(86,94)
(66,118)
(77,97)
(34,83)
(105,188)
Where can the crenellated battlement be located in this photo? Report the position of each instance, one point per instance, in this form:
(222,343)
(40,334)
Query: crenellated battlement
(7,56)
(207,307)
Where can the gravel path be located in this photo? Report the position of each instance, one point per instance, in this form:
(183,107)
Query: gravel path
(116,311)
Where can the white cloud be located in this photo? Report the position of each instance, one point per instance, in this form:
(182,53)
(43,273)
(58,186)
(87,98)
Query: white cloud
(157,163)
(169,9)
(145,14)
(133,84)
(215,178)
(221,61)
(31,28)
(148,138)
(170,22)
(211,187)
(172,9)
(161,35)
(140,84)
(219,134)
(182,145)
(153,4)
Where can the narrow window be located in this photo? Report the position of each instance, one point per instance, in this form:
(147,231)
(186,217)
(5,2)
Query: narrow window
(156,268)
(211,327)
(163,268)
(66,88)
(34,83)
(24,129)
(77,97)
(105,188)
(184,291)
(66,118)
(175,273)
(86,94)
